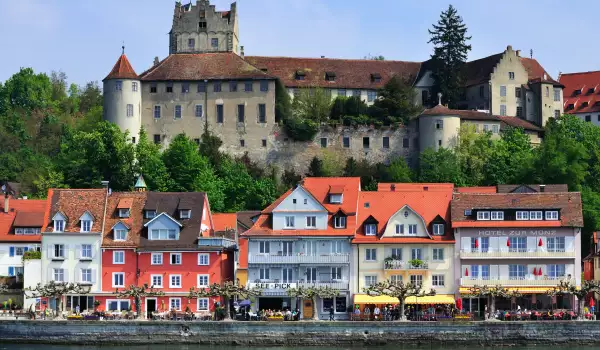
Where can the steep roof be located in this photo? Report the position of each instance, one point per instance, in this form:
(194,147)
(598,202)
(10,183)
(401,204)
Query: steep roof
(582,82)
(476,189)
(135,221)
(122,70)
(224,224)
(536,72)
(441,110)
(569,204)
(516,122)
(349,73)
(75,202)
(21,213)
(200,66)
(246,219)
(536,188)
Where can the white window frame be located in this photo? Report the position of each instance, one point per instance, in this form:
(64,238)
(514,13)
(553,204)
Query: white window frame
(497,215)
(439,229)
(185,214)
(154,255)
(160,279)
(129,110)
(157,112)
(134,86)
(83,249)
(59,225)
(418,279)
(124,213)
(370,254)
(82,273)
(399,229)
(371,229)
(178,259)
(86,225)
(483,215)
(289,221)
(119,301)
(150,214)
(436,252)
(122,274)
(58,272)
(438,281)
(163,235)
(201,110)
(264,247)
(311,222)
(339,222)
(175,112)
(118,85)
(336,198)
(171,285)
(201,285)
(120,235)
(337,273)
(178,302)
(412,229)
(61,249)
(552,215)
(19,251)
(200,259)
(536,215)
(264,273)
(522,215)
(202,301)
(116,254)
(370,280)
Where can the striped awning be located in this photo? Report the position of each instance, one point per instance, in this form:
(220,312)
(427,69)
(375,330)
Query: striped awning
(382,299)
(522,290)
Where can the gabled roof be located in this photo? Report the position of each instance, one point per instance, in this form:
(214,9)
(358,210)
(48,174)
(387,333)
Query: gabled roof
(319,187)
(163,214)
(73,203)
(122,223)
(533,188)
(584,82)
(225,224)
(88,213)
(349,73)
(200,66)
(122,70)
(476,189)
(21,213)
(246,219)
(140,182)
(515,122)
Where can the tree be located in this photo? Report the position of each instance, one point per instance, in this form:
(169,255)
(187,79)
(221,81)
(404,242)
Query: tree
(395,102)
(228,291)
(26,90)
(90,97)
(301,129)
(449,37)
(210,145)
(491,293)
(510,159)
(283,103)
(398,171)
(473,151)
(56,290)
(566,287)
(440,166)
(315,168)
(312,104)
(150,164)
(290,178)
(312,292)
(399,290)
(137,293)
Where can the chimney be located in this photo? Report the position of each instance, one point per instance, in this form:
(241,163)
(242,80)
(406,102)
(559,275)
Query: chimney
(6,203)
(393,187)
(322,56)
(242,52)
(439,98)
(518,53)
(156,61)
(542,188)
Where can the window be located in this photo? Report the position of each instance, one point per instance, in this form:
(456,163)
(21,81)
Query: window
(503,91)
(202,304)
(153,88)
(214,43)
(287,275)
(438,229)
(346,142)
(519,111)
(397,253)
(502,109)
(185,88)
(439,143)
(59,275)
(233,86)
(202,25)
(18,251)
(438,254)
(123,213)
(198,111)
(59,251)
(175,303)
(495,129)
(517,244)
(264,86)
(535,215)
(311,221)
(220,114)
(264,142)
(163,234)
(117,305)
(178,112)
(119,85)
(547,91)
(386,142)
(342,92)
(203,281)
(157,112)
(27,230)
(399,229)
(415,253)
(511,75)
(203,259)
(264,273)
(516,272)
(481,91)
(174,281)
(485,272)
(588,118)
(518,92)
(289,221)
(191,43)
(86,225)
(156,281)
(366,142)
(395,279)
(150,214)
(216,87)
(118,279)
(185,214)
(175,258)
(336,273)
(169,87)
(129,110)
(370,280)
(497,215)
(483,215)
(59,225)
(201,87)
(248,86)
(555,244)
(416,280)
(262,113)
(474,244)
(323,142)
(86,275)
(437,280)
(371,95)
(486,128)
(412,229)
(264,247)
(370,229)
(439,124)
(86,251)
(552,215)
(335,198)
(557,113)
(339,221)
(556,271)
(157,258)
(522,215)
(118,257)
(557,95)
(371,254)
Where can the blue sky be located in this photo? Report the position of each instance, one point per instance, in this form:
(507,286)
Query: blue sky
(83,38)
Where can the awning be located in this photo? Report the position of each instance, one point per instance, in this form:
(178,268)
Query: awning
(523,290)
(382,299)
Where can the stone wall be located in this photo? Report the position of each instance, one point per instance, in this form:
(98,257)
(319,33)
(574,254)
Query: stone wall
(302,333)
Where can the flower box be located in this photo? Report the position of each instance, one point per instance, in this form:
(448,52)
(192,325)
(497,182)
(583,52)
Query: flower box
(275,318)
(91,317)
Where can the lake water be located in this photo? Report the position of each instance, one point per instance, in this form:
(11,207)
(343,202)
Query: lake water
(196,347)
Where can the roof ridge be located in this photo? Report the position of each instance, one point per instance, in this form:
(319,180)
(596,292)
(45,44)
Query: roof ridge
(335,58)
(586,72)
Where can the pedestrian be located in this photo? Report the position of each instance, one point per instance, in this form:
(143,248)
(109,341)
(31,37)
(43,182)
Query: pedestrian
(331,314)
(77,310)
(367,313)
(376,312)
(357,313)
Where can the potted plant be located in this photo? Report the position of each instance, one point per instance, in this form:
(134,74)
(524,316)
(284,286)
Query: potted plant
(5,306)
(10,303)
(96,304)
(416,262)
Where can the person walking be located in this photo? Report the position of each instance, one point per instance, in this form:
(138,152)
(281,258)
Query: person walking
(376,312)
(331,314)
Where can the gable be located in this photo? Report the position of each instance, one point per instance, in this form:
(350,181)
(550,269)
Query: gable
(59,216)
(120,226)
(163,220)
(406,216)
(300,195)
(86,216)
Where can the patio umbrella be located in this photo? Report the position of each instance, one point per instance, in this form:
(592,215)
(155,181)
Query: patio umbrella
(508,242)
(245,303)
(535,271)
(467,271)
(459,304)
(477,243)
(540,243)
(540,271)
(592,302)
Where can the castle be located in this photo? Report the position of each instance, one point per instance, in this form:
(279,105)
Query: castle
(207,81)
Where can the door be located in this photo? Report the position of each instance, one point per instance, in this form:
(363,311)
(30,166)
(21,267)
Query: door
(311,248)
(150,307)
(311,274)
(307,310)
(287,248)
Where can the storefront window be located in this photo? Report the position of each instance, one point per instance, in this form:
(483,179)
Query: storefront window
(327,304)
(339,303)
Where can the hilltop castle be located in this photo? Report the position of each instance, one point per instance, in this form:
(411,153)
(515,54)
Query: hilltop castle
(206,81)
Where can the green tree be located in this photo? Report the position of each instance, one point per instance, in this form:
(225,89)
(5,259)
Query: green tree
(150,164)
(290,178)
(315,168)
(283,103)
(210,145)
(591,217)
(312,104)
(90,97)
(473,151)
(312,293)
(301,129)
(511,159)
(449,37)
(229,291)
(399,290)
(440,166)
(398,171)
(26,90)
(138,293)
(395,102)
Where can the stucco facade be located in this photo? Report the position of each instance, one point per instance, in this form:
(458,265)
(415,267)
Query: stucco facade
(123,104)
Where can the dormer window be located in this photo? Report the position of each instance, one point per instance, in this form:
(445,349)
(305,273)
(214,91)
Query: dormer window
(577,92)
(399,229)
(59,225)
(185,214)
(370,229)
(123,213)
(300,75)
(120,235)
(552,215)
(438,229)
(330,76)
(375,77)
(335,198)
(163,234)
(339,222)
(590,90)
(483,215)
(150,214)
(584,104)
(570,106)
(497,215)
(86,225)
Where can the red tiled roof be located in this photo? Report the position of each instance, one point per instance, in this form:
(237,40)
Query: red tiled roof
(224,221)
(215,65)
(319,188)
(412,187)
(125,203)
(479,189)
(441,110)
(516,122)
(135,221)
(262,227)
(73,203)
(569,204)
(533,188)
(506,224)
(536,72)
(583,81)
(349,73)
(30,213)
(479,71)
(122,70)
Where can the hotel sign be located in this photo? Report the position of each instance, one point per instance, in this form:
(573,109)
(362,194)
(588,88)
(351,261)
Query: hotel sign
(272,285)
(517,233)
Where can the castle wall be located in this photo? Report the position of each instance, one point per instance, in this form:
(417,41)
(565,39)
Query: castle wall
(116,101)
(432,136)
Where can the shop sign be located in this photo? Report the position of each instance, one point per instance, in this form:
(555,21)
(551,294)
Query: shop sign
(272,285)
(516,233)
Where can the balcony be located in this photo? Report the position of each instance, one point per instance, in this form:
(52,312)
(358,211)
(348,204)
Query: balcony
(215,242)
(279,284)
(299,259)
(405,265)
(506,281)
(514,253)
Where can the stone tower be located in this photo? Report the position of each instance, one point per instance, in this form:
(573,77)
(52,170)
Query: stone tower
(200,28)
(123,97)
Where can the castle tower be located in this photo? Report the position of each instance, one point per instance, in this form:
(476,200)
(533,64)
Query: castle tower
(123,97)
(200,28)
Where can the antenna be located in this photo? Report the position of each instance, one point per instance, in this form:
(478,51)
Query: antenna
(530,53)
(123,47)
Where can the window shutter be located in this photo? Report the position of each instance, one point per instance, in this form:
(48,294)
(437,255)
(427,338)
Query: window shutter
(570,270)
(465,244)
(50,274)
(494,270)
(569,243)
(494,244)
(11,269)
(94,276)
(529,272)
(25,249)
(12,251)
(531,244)
(77,251)
(503,272)
(66,275)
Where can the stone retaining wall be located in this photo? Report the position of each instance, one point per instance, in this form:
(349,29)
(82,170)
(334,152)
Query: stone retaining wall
(301,333)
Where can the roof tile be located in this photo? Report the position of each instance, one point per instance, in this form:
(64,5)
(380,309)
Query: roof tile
(75,202)
(30,213)
(583,81)
(135,221)
(122,70)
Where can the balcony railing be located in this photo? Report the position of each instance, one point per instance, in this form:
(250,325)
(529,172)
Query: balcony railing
(274,283)
(215,242)
(298,259)
(515,253)
(506,281)
(405,265)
